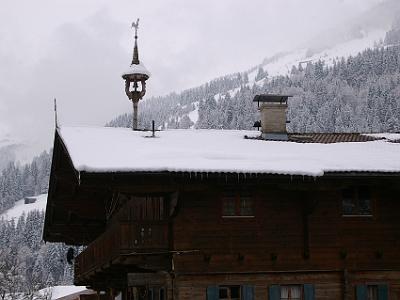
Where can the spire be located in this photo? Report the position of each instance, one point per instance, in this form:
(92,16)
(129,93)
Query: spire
(135,59)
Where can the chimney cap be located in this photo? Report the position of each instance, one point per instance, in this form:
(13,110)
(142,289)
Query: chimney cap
(271,98)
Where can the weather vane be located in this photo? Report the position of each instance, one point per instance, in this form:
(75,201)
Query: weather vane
(136,26)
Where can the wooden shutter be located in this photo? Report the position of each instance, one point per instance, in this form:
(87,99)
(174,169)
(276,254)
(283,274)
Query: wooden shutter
(213,292)
(247,292)
(361,292)
(383,292)
(274,292)
(309,293)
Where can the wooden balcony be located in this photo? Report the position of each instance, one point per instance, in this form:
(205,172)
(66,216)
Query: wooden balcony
(119,242)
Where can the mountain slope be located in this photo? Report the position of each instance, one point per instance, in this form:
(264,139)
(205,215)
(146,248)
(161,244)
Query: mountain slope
(21,208)
(184,110)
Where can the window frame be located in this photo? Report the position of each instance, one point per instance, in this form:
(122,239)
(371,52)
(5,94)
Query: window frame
(356,191)
(374,286)
(292,285)
(238,195)
(228,288)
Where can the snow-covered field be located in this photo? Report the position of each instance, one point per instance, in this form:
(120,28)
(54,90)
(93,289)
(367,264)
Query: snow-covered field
(20,208)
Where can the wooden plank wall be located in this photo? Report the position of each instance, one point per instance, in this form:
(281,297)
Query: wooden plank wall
(328,285)
(274,239)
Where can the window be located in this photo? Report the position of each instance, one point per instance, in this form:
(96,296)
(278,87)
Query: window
(146,293)
(372,292)
(291,292)
(233,292)
(229,292)
(237,203)
(356,202)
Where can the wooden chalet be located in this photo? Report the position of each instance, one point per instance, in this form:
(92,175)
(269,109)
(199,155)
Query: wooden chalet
(208,214)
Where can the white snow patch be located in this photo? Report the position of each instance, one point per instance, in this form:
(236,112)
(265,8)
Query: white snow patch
(260,83)
(233,92)
(61,291)
(137,69)
(282,65)
(252,76)
(94,150)
(194,114)
(20,207)
(387,136)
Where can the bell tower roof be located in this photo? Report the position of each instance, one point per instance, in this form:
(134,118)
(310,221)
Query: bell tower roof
(136,69)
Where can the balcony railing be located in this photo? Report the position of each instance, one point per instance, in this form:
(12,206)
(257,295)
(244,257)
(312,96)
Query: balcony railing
(122,239)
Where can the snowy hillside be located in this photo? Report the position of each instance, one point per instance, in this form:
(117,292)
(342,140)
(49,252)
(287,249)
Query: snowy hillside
(282,64)
(184,110)
(20,208)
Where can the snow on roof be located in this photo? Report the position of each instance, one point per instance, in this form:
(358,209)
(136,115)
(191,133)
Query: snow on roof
(123,150)
(137,69)
(388,136)
(61,291)
(20,207)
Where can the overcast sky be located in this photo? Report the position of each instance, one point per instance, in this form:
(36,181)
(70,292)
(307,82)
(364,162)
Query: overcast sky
(76,50)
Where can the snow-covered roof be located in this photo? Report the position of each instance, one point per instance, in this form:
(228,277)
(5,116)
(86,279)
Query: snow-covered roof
(64,291)
(123,150)
(137,69)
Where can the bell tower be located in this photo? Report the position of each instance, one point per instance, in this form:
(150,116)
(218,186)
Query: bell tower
(135,76)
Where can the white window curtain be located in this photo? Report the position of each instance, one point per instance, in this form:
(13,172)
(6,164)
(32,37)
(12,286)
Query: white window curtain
(292,292)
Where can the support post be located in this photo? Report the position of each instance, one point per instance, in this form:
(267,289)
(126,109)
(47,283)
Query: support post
(135,116)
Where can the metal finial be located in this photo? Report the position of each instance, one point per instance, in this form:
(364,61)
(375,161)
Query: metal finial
(135,59)
(55,113)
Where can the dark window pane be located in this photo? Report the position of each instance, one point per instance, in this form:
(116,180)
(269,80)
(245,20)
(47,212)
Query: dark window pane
(348,206)
(162,294)
(348,202)
(230,192)
(235,292)
(363,193)
(229,207)
(150,294)
(364,201)
(246,206)
(364,206)
(223,293)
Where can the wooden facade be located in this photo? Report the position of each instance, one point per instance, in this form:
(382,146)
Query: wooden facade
(228,236)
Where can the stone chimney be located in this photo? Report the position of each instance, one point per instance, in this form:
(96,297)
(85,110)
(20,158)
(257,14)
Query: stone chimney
(273,116)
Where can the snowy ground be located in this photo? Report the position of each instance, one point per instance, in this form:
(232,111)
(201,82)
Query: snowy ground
(20,208)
